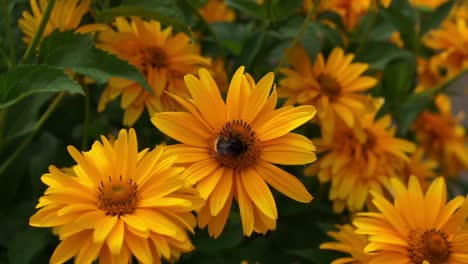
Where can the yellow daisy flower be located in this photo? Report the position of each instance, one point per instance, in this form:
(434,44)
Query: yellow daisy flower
(333,86)
(163,58)
(360,159)
(67,14)
(217,11)
(442,137)
(451,41)
(431,72)
(347,241)
(349,11)
(422,167)
(229,147)
(428,3)
(118,203)
(417,227)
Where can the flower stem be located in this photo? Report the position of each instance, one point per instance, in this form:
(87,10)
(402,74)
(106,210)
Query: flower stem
(11,41)
(87,106)
(298,36)
(37,37)
(369,28)
(36,129)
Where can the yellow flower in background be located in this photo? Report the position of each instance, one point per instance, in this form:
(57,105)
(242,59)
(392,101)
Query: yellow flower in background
(334,86)
(163,58)
(229,148)
(220,75)
(348,242)
(67,14)
(349,11)
(442,137)
(217,11)
(359,160)
(451,43)
(431,73)
(118,203)
(427,3)
(396,39)
(416,227)
(422,167)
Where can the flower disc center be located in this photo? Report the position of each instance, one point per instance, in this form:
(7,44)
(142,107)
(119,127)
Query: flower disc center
(431,245)
(117,197)
(236,146)
(156,57)
(329,85)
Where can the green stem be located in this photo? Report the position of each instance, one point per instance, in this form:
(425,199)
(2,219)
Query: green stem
(298,36)
(9,34)
(87,107)
(3,116)
(34,132)
(38,35)
(372,23)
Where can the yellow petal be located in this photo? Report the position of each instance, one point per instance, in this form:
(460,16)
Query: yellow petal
(115,238)
(221,192)
(258,191)
(284,182)
(245,208)
(183,127)
(103,228)
(290,149)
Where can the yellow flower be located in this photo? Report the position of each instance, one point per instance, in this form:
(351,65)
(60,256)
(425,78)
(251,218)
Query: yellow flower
(428,3)
(360,159)
(422,167)
(333,86)
(229,148)
(431,72)
(349,11)
(347,241)
(396,39)
(67,14)
(451,41)
(118,202)
(164,60)
(416,228)
(217,11)
(442,137)
(220,75)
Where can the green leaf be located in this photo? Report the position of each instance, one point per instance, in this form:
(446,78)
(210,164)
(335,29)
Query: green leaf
(278,10)
(404,19)
(165,11)
(232,36)
(433,19)
(249,8)
(26,113)
(411,108)
(379,54)
(26,244)
(77,52)
(26,80)
(398,79)
(314,255)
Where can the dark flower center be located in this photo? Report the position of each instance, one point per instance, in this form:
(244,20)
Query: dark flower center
(236,146)
(117,197)
(328,85)
(432,245)
(155,57)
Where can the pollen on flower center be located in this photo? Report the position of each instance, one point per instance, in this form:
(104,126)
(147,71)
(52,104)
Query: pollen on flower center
(235,146)
(432,246)
(156,57)
(117,197)
(329,85)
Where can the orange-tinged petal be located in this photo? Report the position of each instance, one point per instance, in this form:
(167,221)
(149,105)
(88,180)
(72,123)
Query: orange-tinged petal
(258,191)
(284,182)
(182,127)
(68,248)
(221,192)
(290,149)
(245,208)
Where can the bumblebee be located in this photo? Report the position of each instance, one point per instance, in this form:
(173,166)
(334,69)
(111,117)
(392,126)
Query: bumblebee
(227,146)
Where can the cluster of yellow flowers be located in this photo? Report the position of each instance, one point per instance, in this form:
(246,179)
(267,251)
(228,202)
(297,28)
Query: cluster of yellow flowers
(117,202)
